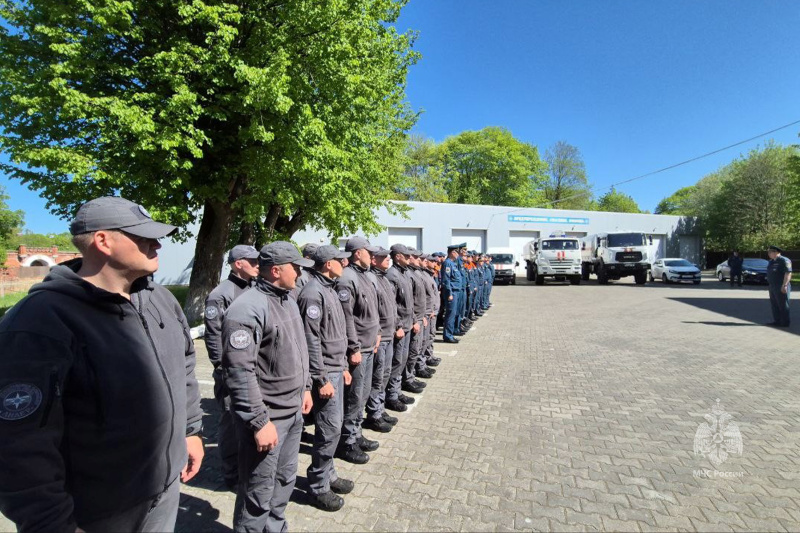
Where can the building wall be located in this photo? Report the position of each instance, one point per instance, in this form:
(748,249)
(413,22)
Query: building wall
(434,226)
(25,262)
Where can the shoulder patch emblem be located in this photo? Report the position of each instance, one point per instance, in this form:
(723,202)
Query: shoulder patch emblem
(447,270)
(312,312)
(211,312)
(240,339)
(19,400)
(344,295)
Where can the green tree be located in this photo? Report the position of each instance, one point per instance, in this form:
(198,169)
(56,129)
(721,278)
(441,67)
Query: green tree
(752,206)
(617,202)
(566,186)
(678,203)
(10,222)
(421,179)
(491,167)
(266,116)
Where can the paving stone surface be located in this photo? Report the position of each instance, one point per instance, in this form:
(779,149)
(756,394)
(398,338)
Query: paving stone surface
(574,408)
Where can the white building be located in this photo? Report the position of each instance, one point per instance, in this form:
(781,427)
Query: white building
(432,226)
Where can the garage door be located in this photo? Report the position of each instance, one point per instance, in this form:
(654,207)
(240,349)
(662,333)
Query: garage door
(475,238)
(690,248)
(517,241)
(409,236)
(658,248)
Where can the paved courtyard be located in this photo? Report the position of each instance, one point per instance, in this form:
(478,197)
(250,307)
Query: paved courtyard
(576,408)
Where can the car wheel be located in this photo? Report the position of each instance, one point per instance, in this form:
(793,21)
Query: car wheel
(720,276)
(651,275)
(696,282)
(664,278)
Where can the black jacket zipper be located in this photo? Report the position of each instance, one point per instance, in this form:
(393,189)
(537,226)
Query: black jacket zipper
(169,389)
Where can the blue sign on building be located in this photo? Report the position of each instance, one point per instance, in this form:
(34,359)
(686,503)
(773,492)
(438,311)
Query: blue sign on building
(525,219)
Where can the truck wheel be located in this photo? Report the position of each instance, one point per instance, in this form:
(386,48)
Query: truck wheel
(539,280)
(529,272)
(602,275)
(640,277)
(650,274)
(585,272)
(514,280)
(575,280)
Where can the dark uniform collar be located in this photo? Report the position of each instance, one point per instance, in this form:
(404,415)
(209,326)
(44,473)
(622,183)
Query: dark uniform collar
(326,281)
(357,268)
(271,289)
(239,282)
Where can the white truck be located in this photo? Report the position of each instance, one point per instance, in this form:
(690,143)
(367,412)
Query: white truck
(556,256)
(614,256)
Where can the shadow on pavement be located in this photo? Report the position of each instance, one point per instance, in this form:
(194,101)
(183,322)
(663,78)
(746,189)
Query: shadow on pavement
(195,514)
(757,312)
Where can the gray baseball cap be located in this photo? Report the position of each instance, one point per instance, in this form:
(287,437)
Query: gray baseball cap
(309,249)
(359,243)
(242,251)
(113,212)
(381,251)
(400,249)
(280,253)
(414,252)
(327,253)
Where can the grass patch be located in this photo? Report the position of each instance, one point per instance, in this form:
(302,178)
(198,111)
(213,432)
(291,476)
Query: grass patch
(10,300)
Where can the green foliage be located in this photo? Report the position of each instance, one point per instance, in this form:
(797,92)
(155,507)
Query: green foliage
(38,240)
(567,186)
(421,178)
(617,202)
(748,204)
(294,109)
(10,221)
(677,203)
(491,167)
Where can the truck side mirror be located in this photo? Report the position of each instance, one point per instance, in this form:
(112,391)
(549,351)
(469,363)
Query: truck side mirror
(536,246)
(650,238)
(583,246)
(516,264)
(598,242)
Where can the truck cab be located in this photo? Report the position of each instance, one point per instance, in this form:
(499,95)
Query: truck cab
(557,256)
(611,256)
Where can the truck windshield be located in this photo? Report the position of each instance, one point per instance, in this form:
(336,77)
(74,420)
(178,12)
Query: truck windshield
(625,239)
(502,258)
(566,244)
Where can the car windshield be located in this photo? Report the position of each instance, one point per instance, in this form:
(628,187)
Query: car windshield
(755,263)
(565,244)
(502,258)
(625,239)
(678,263)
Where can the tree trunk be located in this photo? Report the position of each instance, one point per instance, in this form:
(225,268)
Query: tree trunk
(212,240)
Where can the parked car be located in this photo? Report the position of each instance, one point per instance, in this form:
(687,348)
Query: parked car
(754,270)
(673,270)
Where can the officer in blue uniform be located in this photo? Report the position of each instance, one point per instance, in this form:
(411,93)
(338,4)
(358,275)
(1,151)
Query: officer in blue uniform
(462,323)
(779,275)
(452,291)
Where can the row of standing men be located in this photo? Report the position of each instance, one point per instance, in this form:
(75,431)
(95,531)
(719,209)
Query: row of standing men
(335,338)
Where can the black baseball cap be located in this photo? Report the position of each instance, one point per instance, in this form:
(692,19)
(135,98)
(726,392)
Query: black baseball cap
(280,253)
(113,212)
(359,243)
(327,253)
(309,249)
(242,251)
(400,249)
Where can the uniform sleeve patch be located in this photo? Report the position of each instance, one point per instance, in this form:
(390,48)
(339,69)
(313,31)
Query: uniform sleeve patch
(344,295)
(447,270)
(19,400)
(312,312)
(240,339)
(212,312)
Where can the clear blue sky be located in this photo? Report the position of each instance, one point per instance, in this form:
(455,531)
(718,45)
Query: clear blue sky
(636,86)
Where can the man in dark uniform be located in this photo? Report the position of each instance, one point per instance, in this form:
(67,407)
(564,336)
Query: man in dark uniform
(243,261)
(305,273)
(779,275)
(99,405)
(265,366)
(451,293)
(359,301)
(735,264)
(326,335)
(400,277)
(377,417)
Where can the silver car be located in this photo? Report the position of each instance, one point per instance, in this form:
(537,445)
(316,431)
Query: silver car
(674,270)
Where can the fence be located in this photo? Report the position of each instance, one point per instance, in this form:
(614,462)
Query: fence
(16,286)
